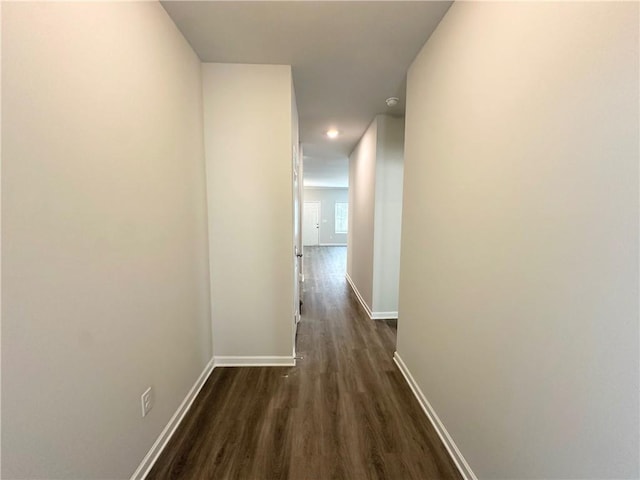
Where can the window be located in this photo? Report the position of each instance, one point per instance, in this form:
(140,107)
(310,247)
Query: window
(342,216)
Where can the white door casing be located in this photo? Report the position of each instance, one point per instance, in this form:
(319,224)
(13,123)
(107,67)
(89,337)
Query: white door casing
(297,250)
(298,239)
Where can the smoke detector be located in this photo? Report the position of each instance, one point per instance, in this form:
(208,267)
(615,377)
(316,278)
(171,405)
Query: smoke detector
(392,101)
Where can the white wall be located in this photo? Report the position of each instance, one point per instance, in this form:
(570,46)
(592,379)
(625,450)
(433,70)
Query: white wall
(248,144)
(104,235)
(388,214)
(519,272)
(362,181)
(328,197)
(375,213)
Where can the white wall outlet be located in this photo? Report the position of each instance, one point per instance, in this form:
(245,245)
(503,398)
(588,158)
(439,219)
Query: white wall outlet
(147,401)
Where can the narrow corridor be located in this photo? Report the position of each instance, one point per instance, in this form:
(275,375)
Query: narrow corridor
(343,412)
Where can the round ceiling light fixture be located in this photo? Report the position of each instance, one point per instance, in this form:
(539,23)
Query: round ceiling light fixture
(332,133)
(392,101)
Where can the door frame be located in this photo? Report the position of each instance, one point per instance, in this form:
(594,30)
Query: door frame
(297,187)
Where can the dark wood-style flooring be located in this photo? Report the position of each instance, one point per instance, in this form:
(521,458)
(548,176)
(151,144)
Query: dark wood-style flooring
(344,412)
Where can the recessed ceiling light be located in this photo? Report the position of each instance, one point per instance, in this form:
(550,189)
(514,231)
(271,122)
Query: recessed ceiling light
(332,133)
(392,101)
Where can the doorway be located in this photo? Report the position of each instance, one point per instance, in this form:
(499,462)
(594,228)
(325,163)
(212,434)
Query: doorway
(311,224)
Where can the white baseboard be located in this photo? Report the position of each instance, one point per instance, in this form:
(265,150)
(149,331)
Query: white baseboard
(372,315)
(458,459)
(360,299)
(333,244)
(156,449)
(384,315)
(255,361)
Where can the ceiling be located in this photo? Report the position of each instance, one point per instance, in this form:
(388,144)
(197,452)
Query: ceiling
(323,172)
(347,57)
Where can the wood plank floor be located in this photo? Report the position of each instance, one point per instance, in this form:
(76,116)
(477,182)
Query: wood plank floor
(344,412)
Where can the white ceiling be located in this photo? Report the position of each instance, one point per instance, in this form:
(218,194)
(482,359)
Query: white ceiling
(321,172)
(347,58)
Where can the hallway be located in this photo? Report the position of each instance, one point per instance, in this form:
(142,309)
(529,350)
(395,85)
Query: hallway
(343,412)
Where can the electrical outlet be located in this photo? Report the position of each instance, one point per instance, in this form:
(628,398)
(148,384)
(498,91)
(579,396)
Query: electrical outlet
(147,401)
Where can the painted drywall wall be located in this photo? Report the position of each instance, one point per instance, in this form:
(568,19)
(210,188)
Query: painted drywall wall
(519,272)
(375,214)
(104,235)
(328,197)
(388,214)
(248,148)
(362,181)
